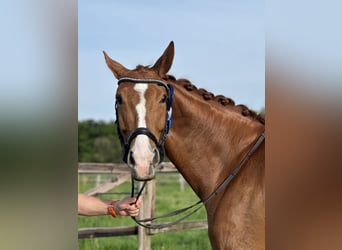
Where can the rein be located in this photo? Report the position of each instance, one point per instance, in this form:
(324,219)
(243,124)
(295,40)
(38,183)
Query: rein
(200,203)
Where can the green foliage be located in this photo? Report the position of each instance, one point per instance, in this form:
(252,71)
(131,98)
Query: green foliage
(98,142)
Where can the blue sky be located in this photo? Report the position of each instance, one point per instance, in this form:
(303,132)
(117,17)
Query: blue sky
(219,46)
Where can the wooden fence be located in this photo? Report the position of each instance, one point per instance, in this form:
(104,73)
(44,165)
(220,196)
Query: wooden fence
(146,210)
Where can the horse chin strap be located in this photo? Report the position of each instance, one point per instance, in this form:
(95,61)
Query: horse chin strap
(200,203)
(126,144)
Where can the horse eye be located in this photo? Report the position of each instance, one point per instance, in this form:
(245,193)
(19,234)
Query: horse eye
(163,100)
(118,99)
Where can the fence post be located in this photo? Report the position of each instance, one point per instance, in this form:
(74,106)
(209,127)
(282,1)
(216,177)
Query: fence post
(181,182)
(98,180)
(146,211)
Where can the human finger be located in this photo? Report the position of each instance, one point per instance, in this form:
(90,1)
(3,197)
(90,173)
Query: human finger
(134,212)
(129,200)
(138,201)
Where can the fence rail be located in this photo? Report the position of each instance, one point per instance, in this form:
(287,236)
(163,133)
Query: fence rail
(106,232)
(103,168)
(146,210)
(133,230)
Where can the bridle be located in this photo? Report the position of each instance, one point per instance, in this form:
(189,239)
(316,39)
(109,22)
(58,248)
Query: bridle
(126,143)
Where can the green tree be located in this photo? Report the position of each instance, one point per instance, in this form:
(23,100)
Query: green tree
(98,142)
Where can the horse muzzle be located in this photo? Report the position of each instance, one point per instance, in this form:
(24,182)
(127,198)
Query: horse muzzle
(143,170)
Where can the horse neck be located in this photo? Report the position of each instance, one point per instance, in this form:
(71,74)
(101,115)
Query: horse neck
(206,142)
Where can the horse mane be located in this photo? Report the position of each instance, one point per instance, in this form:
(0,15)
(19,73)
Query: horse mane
(224,101)
(208,96)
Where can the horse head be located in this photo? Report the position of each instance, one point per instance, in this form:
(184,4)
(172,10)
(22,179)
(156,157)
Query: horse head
(143,112)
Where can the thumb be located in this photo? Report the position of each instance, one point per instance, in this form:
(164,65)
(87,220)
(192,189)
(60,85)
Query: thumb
(138,202)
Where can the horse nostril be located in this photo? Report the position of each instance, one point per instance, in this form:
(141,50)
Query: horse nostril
(156,158)
(131,161)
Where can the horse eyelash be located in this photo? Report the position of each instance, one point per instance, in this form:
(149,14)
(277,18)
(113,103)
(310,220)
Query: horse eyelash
(164,99)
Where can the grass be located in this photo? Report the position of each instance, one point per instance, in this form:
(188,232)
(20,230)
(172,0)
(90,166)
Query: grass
(169,197)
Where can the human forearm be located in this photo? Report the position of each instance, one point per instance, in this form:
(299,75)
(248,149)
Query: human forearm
(88,205)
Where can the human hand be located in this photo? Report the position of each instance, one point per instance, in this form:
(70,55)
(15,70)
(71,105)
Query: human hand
(128,206)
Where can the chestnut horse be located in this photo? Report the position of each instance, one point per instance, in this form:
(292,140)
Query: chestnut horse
(209,137)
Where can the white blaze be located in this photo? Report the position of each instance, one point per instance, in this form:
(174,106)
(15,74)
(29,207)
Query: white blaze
(142,150)
(141,107)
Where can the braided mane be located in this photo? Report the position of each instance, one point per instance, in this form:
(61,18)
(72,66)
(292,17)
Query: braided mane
(208,96)
(224,101)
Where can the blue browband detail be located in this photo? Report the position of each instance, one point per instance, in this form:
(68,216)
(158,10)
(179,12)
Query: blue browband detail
(169,111)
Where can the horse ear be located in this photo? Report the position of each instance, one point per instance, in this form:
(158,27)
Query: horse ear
(163,64)
(117,69)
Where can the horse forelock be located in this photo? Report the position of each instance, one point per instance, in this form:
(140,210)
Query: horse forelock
(220,99)
(147,71)
(142,67)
